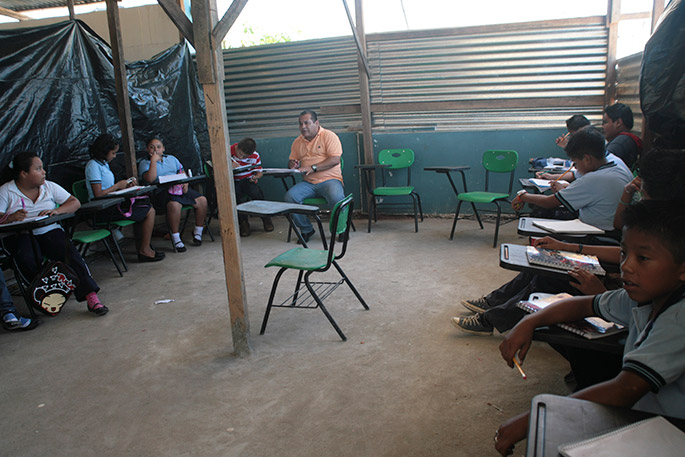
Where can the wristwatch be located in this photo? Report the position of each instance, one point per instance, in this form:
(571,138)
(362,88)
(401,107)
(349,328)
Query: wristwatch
(314,168)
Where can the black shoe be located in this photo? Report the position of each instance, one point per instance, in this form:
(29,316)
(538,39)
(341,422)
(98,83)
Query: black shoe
(478,305)
(157,257)
(180,247)
(342,237)
(306,236)
(197,240)
(268,224)
(472,324)
(244,228)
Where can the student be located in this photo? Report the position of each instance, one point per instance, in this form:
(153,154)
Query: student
(100,182)
(10,318)
(173,198)
(651,305)
(244,153)
(660,172)
(30,195)
(596,193)
(617,122)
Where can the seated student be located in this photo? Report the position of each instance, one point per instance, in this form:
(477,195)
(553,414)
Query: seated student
(247,188)
(173,198)
(10,318)
(660,173)
(100,182)
(30,195)
(651,305)
(617,122)
(573,124)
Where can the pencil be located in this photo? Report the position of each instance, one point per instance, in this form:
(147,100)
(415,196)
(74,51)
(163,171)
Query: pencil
(562,175)
(518,365)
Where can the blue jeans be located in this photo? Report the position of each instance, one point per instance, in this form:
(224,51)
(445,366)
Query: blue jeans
(332,190)
(6,303)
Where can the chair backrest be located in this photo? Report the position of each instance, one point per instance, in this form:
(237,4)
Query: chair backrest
(500,161)
(396,158)
(339,224)
(79,190)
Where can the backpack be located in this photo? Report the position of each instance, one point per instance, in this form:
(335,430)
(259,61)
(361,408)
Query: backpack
(52,287)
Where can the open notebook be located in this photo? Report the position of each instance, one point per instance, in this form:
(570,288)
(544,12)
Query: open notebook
(564,260)
(575,227)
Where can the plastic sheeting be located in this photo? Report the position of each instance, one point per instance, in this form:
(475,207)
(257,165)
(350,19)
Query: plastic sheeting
(662,79)
(57,94)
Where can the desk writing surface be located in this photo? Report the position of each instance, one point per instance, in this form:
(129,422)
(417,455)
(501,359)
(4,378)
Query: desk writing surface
(526,228)
(126,193)
(556,420)
(272,208)
(513,257)
(94,206)
(188,180)
(36,223)
(446,169)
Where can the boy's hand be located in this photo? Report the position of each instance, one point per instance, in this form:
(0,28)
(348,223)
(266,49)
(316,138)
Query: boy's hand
(518,340)
(543,175)
(18,216)
(632,187)
(556,186)
(562,141)
(511,432)
(586,282)
(550,243)
(517,203)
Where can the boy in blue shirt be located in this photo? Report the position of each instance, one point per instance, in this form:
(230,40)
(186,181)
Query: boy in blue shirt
(651,305)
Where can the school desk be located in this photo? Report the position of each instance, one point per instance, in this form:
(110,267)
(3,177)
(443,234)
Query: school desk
(556,420)
(268,208)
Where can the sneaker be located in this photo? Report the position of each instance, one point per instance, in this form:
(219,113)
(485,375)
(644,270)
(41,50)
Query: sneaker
(472,324)
(479,305)
(18,324)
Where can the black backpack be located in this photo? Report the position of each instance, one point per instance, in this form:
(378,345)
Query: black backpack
(52,287)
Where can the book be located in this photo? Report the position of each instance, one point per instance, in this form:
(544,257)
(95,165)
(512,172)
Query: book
(563,260)
(280,170)
(541,185)
(575,226)
(172,178)
(654,437)
(26,220)
(127,190)
(590,327)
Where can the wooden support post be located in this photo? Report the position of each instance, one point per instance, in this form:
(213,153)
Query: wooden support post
(210,71)
(364,91)
(70,6)
(657,11)
(613,15)
(176,14)
(123,107)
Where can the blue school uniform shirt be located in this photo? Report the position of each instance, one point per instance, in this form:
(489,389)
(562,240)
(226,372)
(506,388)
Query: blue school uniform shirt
(98,172)
(595,195)
(169,165)
(655,354)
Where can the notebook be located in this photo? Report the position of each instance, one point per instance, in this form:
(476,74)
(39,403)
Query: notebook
(541,185)
(563,260)
(576,226)
(590,327)
(127,190)
(172,178)
(654,437)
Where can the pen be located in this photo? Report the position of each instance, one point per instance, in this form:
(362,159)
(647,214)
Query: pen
(23,205)
(518,365)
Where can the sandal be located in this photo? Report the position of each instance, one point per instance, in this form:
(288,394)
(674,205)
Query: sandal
(179,246)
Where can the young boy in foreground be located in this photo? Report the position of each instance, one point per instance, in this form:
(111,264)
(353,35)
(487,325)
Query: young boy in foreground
(651,304)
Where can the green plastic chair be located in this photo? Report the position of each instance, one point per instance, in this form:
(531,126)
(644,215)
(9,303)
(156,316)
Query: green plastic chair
(396,159)
(494,161)
(78,188)
(308,261)
(84,238)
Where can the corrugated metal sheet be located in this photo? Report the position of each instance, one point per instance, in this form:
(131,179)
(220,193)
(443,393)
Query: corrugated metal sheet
(628,81)
(27,5)
(267,86)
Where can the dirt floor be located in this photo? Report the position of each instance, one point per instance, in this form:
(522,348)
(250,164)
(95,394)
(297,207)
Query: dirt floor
(161,380)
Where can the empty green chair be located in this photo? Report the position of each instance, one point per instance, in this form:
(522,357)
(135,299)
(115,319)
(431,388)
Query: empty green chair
(395,159)
(494,161)
(309,261)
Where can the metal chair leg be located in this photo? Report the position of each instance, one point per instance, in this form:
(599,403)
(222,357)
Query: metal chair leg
(475,211)
(499,213)
(111,256)
(350,285)
(418,197)
(323,308)
(271,299)
(456,216)
(372,209)
(416,215)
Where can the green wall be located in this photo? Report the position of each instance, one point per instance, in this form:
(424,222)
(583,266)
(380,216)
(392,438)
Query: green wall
(431,149)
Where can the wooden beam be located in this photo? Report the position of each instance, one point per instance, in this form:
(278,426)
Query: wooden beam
(179,18)
(204,16)
(657,11)
(364,91)
(361,47)
(13,14)
(123,107)
(465,105)
(70,7)
(613,15)
(226,22)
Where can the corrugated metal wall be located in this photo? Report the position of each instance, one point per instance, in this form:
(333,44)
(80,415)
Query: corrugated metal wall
(628,81)
(456,79)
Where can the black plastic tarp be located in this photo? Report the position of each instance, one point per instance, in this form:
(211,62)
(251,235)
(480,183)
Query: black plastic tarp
(662,79)
(57,94)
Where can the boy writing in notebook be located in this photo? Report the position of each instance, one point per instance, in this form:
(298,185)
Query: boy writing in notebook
(651,305)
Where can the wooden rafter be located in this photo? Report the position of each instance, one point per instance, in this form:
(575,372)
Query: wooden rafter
(179,18)
(224,25)
(13,14)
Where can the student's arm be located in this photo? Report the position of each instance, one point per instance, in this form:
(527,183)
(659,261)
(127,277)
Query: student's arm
(70,206)
(543,201)
(151,174)
(626,198)
(624,390)
(98,191)
(611,254)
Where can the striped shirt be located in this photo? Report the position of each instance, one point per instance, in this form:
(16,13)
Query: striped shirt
(253,159)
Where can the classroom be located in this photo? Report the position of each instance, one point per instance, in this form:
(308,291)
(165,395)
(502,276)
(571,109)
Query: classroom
(178,370)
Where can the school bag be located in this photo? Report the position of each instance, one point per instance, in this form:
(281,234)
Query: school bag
(52,287)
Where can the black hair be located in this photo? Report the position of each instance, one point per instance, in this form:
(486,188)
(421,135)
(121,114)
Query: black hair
(662,219)
(153,138)
(102,145)
(576,122)
(311,113)
(662,172)
(20,162)
(620,111)
(587,140)
(247,145)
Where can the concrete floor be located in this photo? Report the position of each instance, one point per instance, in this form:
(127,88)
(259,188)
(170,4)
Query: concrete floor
(161,380)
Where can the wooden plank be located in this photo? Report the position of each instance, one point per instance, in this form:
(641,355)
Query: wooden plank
(123,107)
(364,91)
(361,47)
(203,46)
(226,22)
(179,18)
(657,11)
(501,103)
(613,15)
(14,14)
(204,15)
(70,7)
